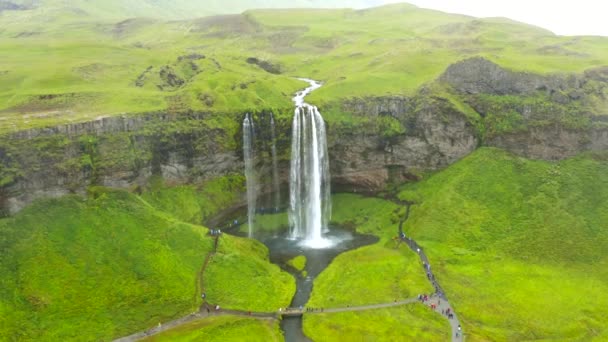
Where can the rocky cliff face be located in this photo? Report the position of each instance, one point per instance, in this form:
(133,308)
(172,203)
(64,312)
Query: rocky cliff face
(435,135)
(393,138)
(125,152)
(481,76)
(544,117)
(116,152)
(552,142)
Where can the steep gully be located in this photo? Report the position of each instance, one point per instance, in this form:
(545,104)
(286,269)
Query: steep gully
(438,299)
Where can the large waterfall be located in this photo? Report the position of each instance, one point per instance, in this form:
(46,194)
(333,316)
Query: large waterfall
(309,183)
(275,167)
(249,156)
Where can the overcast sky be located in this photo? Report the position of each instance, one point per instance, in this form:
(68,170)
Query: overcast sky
(578,17)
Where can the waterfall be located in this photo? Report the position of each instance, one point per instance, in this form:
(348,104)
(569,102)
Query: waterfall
(309,183)
(248,156)
(275,168)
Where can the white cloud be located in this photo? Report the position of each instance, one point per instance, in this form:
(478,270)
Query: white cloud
(581,17)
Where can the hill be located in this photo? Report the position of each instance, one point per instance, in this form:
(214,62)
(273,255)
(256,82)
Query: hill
(67,68)
(518,245)
(108,265)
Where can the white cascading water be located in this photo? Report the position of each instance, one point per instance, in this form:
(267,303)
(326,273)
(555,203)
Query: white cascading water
(248,156)
(309,183)
(275,167)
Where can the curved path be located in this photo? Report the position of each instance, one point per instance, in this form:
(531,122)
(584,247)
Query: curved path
(207,310)
(204,313)
(439,298)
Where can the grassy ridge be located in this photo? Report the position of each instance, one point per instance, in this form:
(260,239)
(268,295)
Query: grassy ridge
(518,245)
(111,264)
(224,328)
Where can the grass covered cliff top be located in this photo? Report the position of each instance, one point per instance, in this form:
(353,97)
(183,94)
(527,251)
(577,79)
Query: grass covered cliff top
(63,64)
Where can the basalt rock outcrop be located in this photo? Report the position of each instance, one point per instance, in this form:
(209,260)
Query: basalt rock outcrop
(480,76)
(549,117)
(434,136)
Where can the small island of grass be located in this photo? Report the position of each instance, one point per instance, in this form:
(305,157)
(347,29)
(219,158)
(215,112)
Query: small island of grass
(298,262)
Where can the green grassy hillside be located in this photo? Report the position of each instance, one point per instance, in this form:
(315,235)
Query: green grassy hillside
(74,67)
(520,246)
(111,264)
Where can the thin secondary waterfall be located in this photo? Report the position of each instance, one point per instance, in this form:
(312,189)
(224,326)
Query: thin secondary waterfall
(309,182)
(275,167)
(248,156)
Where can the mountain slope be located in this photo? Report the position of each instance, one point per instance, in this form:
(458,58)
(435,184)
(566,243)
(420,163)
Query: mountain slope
(74,67)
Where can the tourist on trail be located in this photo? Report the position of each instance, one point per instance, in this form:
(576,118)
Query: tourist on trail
(418,250)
